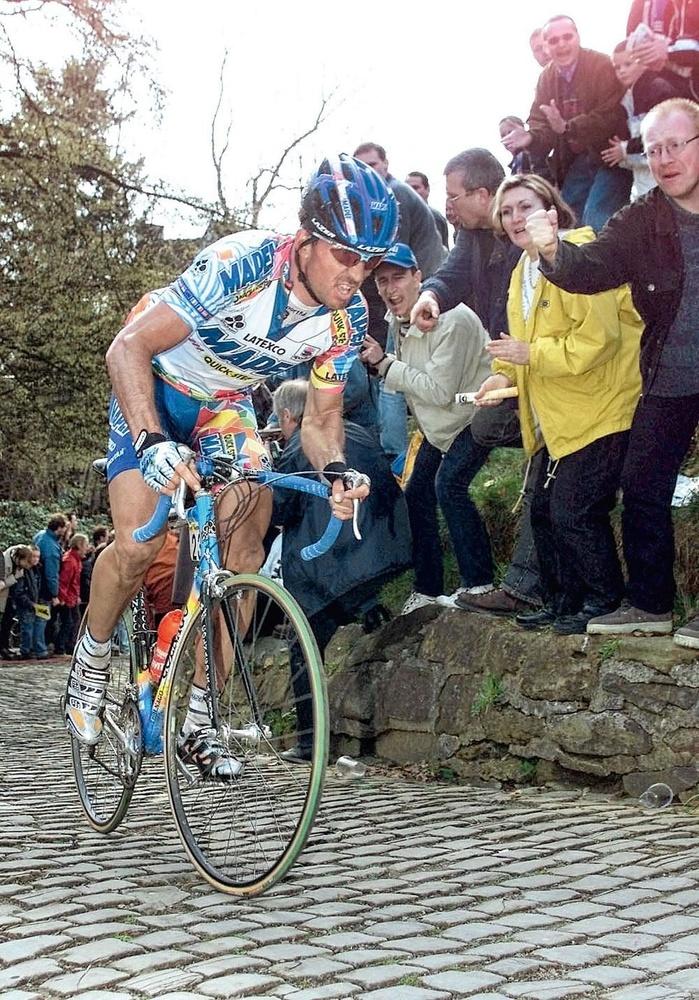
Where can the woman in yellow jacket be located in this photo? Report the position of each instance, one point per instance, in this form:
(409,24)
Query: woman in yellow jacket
(574,360)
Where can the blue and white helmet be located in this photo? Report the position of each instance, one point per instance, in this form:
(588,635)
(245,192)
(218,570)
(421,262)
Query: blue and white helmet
(347,202)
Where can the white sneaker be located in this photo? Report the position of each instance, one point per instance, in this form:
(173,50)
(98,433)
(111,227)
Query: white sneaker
(417,600)
(449,600)
(85,698)
(213,758)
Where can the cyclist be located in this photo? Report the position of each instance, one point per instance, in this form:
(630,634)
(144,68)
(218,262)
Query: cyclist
(182,370)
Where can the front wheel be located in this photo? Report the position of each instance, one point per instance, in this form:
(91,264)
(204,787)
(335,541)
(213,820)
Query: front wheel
(243,834)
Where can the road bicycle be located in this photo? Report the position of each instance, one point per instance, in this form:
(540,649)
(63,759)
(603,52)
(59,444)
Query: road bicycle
(265,692)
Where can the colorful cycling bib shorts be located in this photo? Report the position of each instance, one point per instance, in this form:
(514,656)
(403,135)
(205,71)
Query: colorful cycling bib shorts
(245,326)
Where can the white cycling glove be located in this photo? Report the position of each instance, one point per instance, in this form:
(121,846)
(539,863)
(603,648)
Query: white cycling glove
(159,460)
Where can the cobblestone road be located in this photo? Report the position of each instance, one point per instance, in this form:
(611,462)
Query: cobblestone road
(407,892)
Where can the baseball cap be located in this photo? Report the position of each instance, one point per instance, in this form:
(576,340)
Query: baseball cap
(400,255)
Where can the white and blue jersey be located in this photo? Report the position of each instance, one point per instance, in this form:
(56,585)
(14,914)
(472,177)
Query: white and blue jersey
(245,326)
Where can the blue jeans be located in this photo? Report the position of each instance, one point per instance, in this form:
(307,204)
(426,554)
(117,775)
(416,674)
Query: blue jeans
(444,480)
(31,633)
(595,192)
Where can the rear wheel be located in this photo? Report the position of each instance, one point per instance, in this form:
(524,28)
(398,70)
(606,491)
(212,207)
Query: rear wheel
(105,774)
(244,834)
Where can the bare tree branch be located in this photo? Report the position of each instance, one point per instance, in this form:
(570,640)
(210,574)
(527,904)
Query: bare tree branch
(218,157)
(272,184)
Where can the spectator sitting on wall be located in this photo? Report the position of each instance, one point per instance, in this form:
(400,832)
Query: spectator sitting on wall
(342,585)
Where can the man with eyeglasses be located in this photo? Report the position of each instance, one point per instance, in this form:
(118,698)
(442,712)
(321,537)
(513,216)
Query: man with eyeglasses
(576,110)
(477,272)
(183,368)
(653,244)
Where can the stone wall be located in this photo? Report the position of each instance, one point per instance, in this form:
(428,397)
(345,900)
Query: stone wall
(479,698)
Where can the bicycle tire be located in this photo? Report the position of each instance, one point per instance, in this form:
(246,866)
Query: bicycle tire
(244,835)
(105,774)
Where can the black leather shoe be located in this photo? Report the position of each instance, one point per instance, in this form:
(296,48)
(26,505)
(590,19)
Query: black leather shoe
(577,624)
(297,755)
(536,619)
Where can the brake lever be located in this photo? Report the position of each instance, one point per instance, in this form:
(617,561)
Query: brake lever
(355,520)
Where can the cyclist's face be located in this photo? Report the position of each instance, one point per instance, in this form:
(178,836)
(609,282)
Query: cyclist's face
(334,283)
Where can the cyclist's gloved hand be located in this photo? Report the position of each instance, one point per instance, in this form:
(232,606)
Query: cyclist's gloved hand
(158,461)
(351,479)
(348,486)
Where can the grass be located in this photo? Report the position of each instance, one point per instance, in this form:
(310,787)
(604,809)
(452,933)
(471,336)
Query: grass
(609,649)
(490,693)
(528,769)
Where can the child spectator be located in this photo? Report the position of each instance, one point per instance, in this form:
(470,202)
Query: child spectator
(644,90)
(523,162)
(69,594)
(26,595)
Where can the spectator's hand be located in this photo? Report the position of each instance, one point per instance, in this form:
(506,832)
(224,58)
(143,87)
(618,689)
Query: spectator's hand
(542,227)
(492,382)
(371,351)
(517,140)
(425,312)
(554,117)
(615,153)
(509,349)
(652,53)
(55,601)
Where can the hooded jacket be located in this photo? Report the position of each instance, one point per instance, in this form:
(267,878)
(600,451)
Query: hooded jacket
(583,380)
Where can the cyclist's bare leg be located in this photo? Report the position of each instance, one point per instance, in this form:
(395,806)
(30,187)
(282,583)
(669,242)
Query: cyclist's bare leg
(243,515)
(120,569)
(116,577)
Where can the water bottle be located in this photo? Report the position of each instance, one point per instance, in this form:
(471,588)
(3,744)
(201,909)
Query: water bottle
(657,796)
(145,696)
(153,729)
(167,630)
(348,767)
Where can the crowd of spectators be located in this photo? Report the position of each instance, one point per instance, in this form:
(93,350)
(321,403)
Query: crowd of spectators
(44,588)
(568,296)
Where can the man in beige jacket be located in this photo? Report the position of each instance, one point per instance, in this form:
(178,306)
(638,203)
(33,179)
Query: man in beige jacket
(431,369)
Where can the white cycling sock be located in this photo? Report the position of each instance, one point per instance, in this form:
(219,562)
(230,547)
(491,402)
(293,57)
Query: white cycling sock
(198,712)
(93,653)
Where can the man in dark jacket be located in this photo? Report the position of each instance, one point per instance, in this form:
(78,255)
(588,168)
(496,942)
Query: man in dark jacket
(340,586)
(477,272)
(576,110)
(654,245)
